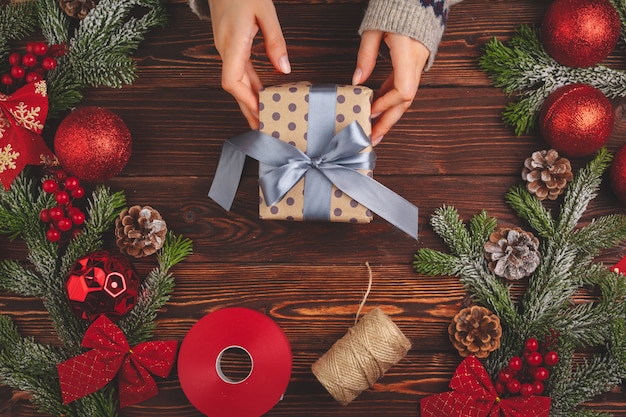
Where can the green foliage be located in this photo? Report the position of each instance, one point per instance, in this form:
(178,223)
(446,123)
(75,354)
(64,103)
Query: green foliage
(30,366)
(523,67)
(546,307)
(99,47)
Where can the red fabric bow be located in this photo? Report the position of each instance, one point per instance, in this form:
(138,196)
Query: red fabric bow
(473,395)
(110,354)
(22,118)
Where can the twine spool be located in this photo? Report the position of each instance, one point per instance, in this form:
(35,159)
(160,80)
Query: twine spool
(361,357)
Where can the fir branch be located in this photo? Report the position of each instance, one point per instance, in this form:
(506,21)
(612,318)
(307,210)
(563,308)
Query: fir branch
(138,325)
(54,22)
(15,278)
(581,191)
(481,226)
(432,262)
(602,233)
(528,207)
(105,38)
(447,224)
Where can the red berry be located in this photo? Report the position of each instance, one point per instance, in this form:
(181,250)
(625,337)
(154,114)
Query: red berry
(513,386)
(40,48)
(505,375)
(64,224)
(78,192)
(44,215)
(75,233)
(49,63)
(534,359)
(526,390)
(515,363)
(7,79)
(50,186)
(32,77)
(62,197)
(72,183)
(78,217)
(500,388)
(53,235)
(541,374)
(17,72)
(30,47)
(538,387)
(29,60)
(57,50)
(56,213)
(551,358)
(15,58)
(531,345)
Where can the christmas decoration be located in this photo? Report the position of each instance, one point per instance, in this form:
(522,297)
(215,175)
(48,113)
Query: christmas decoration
(28,365)
(618,175)
(140,231)
(475,331)
(580,33)
(543,309)
(101,283)
(576,120)
(546,174)
(512,253)
(111,354)
(34,65)
(98,47)
(93,144)
(63,217)
(77,8)
(22,118)
(473,394)
(523,68)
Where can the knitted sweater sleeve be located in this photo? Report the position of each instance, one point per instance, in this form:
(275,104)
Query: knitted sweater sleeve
(423,20)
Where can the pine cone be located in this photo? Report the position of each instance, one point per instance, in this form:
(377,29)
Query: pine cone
(475,331)
(512,253)
(140,231)
(547,174)
(77,8)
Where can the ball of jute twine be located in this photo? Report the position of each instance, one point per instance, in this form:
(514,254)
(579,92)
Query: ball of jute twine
(362,356)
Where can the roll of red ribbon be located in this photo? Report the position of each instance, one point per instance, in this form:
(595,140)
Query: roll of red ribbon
(199,368)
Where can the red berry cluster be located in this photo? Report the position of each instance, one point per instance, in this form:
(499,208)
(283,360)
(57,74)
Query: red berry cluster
(526,379)
(64,215)
(33,65)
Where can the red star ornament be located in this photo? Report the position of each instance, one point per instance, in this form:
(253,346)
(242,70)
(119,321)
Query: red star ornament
(110,356)
(22,118)
(473,395)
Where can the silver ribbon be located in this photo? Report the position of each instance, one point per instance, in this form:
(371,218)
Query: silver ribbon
(330,159)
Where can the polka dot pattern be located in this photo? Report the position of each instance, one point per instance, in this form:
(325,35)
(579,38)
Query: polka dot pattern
(284,115)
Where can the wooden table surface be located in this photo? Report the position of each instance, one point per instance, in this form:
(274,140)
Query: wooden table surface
(450,148)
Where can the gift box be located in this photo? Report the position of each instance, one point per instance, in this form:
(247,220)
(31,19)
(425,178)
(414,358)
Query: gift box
(315,158)
(284,114)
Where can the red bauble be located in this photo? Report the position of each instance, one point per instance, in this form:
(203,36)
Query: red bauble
(618,174)
(576,120)
(93,144)
(580,33)
(102,283)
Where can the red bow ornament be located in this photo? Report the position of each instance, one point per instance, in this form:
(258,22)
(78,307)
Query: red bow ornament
(22,118)
(111,355)
(473,395)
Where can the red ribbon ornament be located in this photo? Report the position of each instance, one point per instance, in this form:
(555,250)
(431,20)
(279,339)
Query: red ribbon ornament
(473,395)
(111,355)
(22,118)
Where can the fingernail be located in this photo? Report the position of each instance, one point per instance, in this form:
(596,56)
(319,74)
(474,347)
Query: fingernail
(283,63)
(377,140)
(356,77)
(375,115)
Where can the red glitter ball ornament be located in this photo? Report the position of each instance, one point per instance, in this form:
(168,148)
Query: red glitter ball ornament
(576,120)
(102,283)
(93,144)
(580,33)
(618,175)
